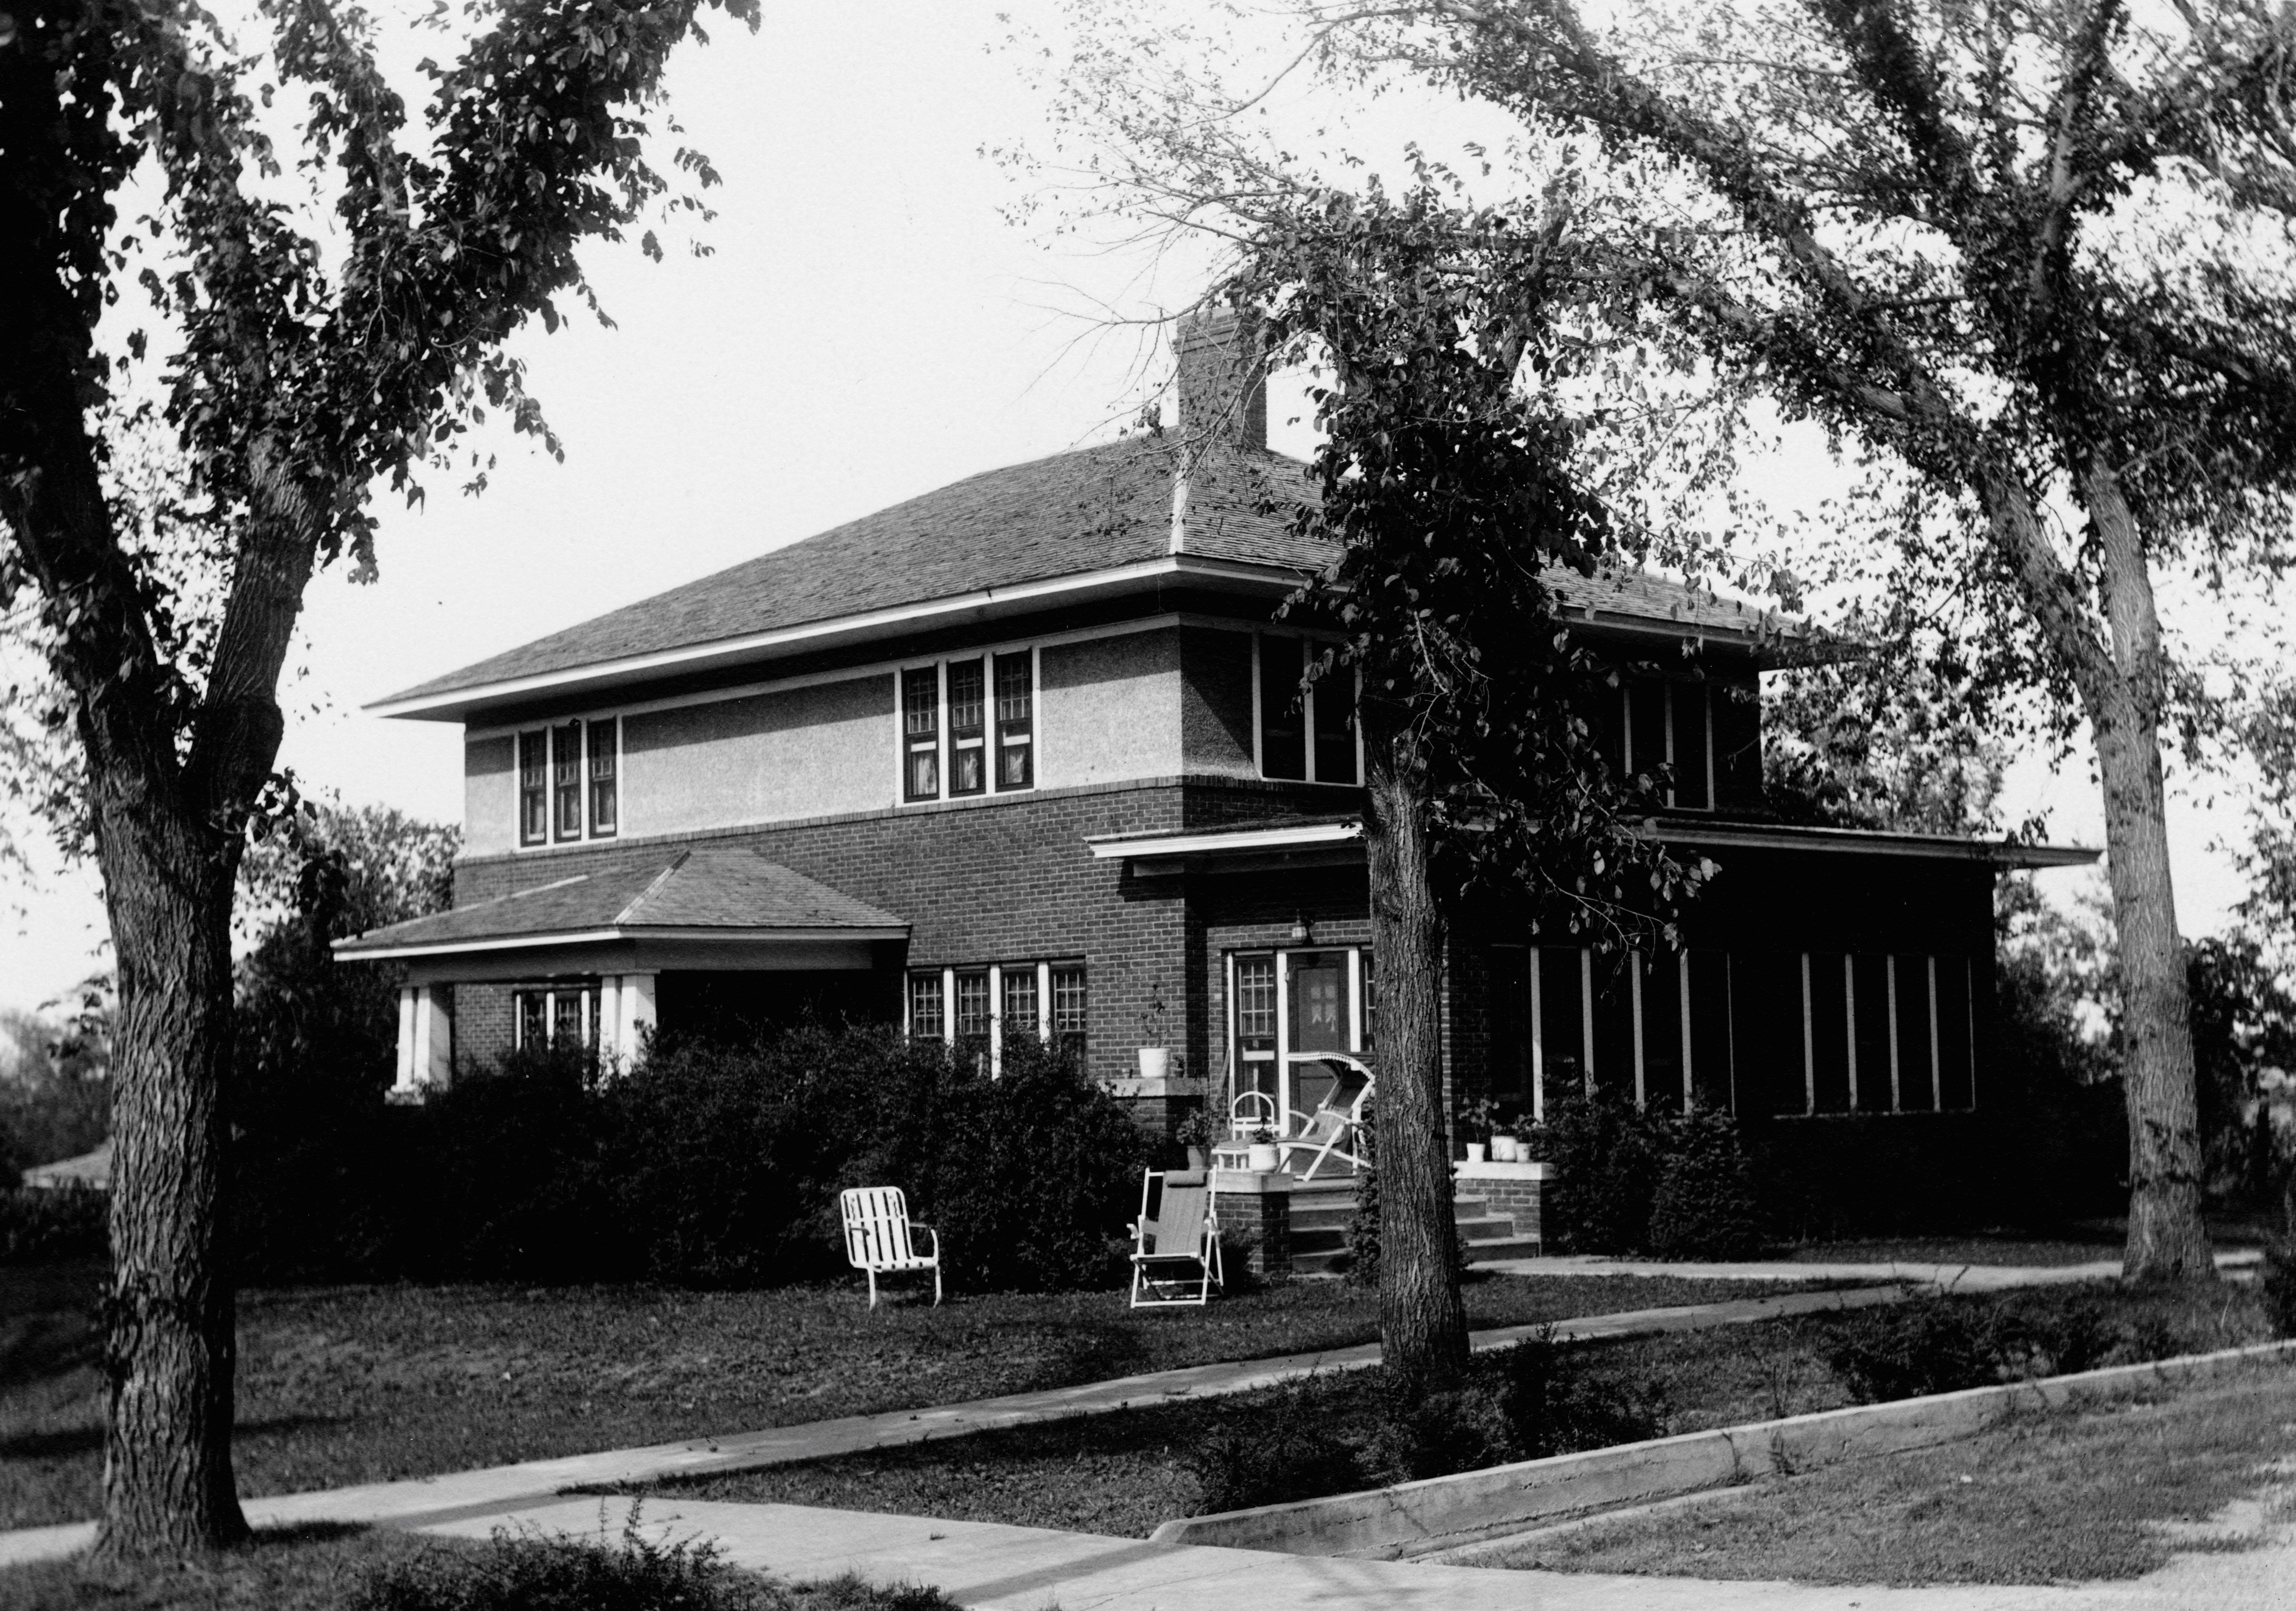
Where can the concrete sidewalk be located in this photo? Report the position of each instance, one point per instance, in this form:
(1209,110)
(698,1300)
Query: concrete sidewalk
(491,1491)
(1001,1568)
(1958,1277)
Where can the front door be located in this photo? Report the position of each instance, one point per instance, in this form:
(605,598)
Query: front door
(1288,1010)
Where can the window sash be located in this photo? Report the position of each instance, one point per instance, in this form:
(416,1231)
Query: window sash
(926,1022)
(534,787)
(604,739)
(1015,722)
(566,780)
(921,733)
(972,1018)
(1020,981)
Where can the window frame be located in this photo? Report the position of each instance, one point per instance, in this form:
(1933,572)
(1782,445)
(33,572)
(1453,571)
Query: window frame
(1308,641)
(991,737)
(585,782)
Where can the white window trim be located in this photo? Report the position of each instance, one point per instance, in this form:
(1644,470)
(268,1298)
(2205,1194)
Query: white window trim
(991,745)
(589,835)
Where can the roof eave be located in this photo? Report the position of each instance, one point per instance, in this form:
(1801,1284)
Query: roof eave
(1933,847)
(354,949)
(987,604)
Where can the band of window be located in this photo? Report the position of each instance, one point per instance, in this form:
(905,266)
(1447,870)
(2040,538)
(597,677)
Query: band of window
(569,781)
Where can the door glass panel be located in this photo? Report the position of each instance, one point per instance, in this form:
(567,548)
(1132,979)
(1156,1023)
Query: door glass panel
(1319,1002)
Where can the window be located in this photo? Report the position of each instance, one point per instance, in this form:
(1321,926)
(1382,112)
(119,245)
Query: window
(1255,1000)
(926,1022)
(557,1015)
(534,787)
(1653,721)
(968,750)
(1015,704)
(1020,1003)
(1068,1011)
(604,737)
(566,780)
(982,713)
(972,1006)
(921,733)
(1307,731)
(569,781)
(1283,728)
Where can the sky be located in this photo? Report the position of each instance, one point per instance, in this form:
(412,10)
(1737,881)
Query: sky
(870,326)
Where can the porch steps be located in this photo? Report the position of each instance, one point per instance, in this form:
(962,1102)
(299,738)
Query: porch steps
(1319,1229)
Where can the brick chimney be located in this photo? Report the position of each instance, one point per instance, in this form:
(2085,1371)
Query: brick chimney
(1222,379)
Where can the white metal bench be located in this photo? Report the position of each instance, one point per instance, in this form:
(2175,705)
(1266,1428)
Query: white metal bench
(880,1239)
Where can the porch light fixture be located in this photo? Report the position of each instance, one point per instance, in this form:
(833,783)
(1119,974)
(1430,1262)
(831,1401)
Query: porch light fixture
(1300,932)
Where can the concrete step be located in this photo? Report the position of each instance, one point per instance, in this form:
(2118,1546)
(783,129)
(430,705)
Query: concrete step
(1505,1247)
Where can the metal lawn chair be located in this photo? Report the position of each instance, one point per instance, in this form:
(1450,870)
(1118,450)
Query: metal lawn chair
(881,1240)
(1179,1249)
(1331,1130)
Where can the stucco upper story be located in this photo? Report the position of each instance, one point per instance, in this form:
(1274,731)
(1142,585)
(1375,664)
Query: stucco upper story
(1099,617)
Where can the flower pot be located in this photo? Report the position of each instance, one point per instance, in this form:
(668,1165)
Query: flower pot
(1474,1151)
(1155,1062)
(1505,1149)
(1197,1158)
(1262,1158)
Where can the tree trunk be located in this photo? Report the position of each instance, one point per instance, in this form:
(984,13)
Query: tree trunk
(2166,1237)
(1422,1324)
(169,1346)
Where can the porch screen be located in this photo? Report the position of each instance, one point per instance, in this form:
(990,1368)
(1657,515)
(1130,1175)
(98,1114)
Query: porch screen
(1282,719)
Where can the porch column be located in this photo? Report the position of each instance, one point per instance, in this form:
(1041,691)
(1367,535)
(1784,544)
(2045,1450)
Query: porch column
(635,1014)
(434,1037)
(404,1080)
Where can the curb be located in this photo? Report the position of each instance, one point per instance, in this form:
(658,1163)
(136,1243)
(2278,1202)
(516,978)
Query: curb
(1413,1518)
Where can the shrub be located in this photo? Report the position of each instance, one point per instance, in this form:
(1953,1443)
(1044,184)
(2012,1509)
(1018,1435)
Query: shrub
(1607,1157)
(39,1224)
(527,1572)
(1270,1450)
(1704,1206)
(1363,1224)
(1925,1345)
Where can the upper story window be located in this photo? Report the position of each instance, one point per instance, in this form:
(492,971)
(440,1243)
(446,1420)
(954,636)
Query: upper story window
(971,721)
(569,781)
(1659,721)
(1306,733)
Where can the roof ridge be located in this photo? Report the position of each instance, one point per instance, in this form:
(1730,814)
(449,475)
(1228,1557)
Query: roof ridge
(660,878)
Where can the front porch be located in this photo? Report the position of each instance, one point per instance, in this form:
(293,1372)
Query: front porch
(712,939)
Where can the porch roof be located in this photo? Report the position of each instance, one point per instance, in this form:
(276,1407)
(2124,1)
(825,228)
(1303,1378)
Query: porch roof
(709,894)
(1340,839)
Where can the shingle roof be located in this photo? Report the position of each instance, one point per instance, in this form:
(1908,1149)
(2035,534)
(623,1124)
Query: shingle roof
(1090,510)
(723,889)
(1095,509)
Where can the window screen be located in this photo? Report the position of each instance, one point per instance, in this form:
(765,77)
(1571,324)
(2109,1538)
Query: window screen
(1662,1069)
(1562,1028)
(1690,746)
(1829,1032)
(1873,1039)
(1916,1069)
(1020,999)
(926,1022)
(1335,727)
(1282,736)
(972,1006)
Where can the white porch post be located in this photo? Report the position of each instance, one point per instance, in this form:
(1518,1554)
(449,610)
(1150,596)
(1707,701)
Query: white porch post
(635,1014)
(434,1038)
(404,1081)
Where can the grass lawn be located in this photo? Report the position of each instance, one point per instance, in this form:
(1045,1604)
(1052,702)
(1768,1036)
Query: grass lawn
(331,1569)
(1123,1473)
(340,1385)
(2072,1494)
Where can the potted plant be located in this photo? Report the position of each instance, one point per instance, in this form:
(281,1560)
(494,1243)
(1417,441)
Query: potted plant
(1263,1156)
(1475,1119)
(1155,1056)
(1195,1133)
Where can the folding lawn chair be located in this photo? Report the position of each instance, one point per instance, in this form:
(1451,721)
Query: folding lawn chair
(1179,1248)
(1330,1131)
(881,1240)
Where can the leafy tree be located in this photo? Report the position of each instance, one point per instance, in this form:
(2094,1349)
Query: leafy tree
(1443,483)
(55,1092)
(166,526)
(2031,258)
(1881,742)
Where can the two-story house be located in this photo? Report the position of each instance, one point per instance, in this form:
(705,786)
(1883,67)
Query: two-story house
(1030,754)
